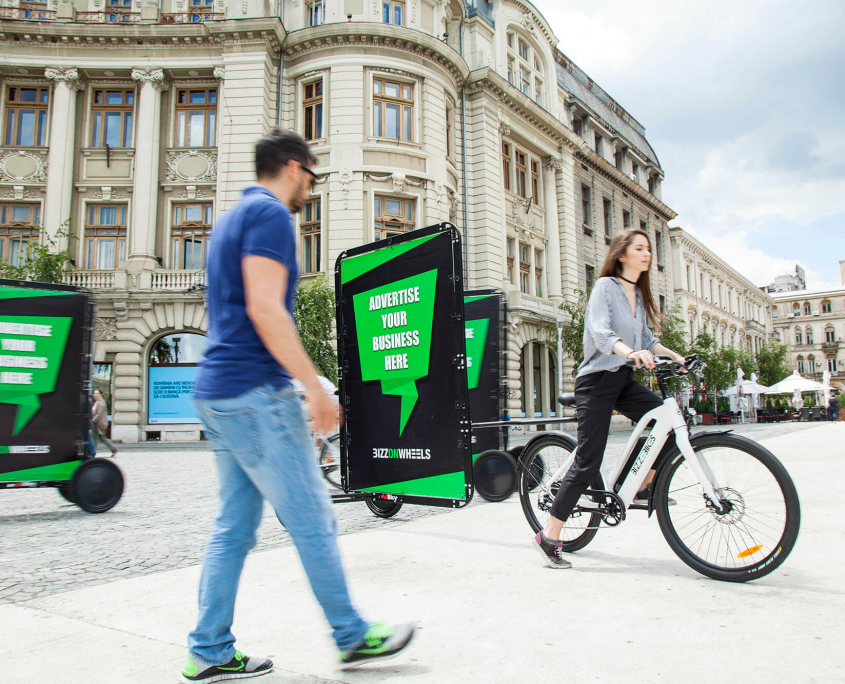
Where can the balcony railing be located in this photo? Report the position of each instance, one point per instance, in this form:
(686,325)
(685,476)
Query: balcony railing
(108,17)
(90,280)
(31,12)
(190,17)
(830,346)
(538,305)
(178,280)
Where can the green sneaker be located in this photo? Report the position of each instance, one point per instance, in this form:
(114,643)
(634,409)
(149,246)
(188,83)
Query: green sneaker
(239,667)
(382,641)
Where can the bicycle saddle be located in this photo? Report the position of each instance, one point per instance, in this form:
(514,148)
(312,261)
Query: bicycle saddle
(567,399)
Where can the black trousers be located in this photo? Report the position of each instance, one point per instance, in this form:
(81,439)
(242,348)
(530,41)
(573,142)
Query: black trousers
(597,395)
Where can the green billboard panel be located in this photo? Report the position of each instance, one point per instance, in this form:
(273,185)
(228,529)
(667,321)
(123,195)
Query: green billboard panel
(403,380)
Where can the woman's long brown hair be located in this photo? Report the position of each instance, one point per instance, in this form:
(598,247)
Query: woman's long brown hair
(613,269)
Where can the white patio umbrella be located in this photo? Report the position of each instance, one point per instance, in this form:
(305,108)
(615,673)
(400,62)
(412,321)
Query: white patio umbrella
(794,383)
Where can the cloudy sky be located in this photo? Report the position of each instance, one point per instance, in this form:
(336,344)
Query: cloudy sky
(744,104)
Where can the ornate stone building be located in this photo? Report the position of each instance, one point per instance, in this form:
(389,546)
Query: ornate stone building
(813,325)
(132,123)
(716,298)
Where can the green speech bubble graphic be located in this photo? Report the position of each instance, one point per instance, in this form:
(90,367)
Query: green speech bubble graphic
(476,334)
(31,351)
(394,324)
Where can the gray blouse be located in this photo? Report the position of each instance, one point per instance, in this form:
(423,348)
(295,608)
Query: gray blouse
(608,319)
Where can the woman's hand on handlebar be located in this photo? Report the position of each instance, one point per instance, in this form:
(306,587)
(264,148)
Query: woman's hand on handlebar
(642,358)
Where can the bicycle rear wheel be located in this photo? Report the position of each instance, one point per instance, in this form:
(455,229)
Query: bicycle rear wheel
(761,515)
(538,464)
(330,460)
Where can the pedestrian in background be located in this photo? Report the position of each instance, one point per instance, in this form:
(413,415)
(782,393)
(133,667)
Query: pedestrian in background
(833,408)
(100,422)
(256,426)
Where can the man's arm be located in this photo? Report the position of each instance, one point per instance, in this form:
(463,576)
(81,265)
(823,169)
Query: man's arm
(265,284)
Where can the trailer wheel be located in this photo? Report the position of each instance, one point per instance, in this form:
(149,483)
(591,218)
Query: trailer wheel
(495,475)
(96,486)
(66,493)
(383,508)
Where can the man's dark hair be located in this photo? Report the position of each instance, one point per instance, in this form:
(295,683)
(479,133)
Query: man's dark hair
(277,148)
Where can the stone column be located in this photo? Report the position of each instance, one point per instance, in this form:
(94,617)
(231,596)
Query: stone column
(59,190)
(142,230)
(547,399)
(220,190)
(551,166)
(528,379)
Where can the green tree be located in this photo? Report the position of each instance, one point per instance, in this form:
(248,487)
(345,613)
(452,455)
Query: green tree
(772,363)
(314,311)
(720,372)
(572,335)
(671,330)
(44,261)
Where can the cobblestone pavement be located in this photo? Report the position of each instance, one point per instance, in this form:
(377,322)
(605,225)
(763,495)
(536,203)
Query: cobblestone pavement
(49,546)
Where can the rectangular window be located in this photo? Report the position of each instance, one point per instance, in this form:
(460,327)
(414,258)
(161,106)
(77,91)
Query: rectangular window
(599,145)
(538,272)
(393,110)
(635,171)
(586,211)
(608,218)
(394,216)
(309,230)
(510,41)
(589,277)
(196,117)
(829,336)
(19,224)
(312,103)
(690,283)
(831,365)
(652,184)
(525,80)
(798,337)
(578,126)
(314,13)
(663,305)
(523,49)
(626,219)
(825,307)
(201,10)
(393,12)
(506,164)
(535,182)
(111,118)
(118,10)
(538,91)
(105,236)
(189,234)
(511,251)
(658,247)
(520,173)
(26,115)
(643,226)
(524,268)
(619,158)
(800,365)
(775,312)
(809,336)
(511,70)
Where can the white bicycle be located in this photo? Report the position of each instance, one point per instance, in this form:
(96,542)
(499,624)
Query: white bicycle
(733,514)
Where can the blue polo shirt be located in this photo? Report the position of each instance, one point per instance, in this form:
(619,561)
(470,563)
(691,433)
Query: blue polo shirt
(236,359)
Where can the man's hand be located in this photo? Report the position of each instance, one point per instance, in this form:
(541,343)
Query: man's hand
(325,412)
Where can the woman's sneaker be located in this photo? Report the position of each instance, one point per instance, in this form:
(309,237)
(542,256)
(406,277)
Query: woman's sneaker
(552,551)
(239,667)
(382,641)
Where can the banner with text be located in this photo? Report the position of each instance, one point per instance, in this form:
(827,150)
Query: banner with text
(169,391)
(484,328)
(401,347)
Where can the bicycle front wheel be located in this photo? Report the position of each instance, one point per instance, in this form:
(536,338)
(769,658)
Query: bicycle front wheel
(538,464)
(330,460)
(758,524)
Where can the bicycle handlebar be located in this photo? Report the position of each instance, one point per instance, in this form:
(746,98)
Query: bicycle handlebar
(668,367)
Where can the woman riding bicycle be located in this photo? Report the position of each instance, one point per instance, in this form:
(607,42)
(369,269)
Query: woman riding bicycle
(614,332)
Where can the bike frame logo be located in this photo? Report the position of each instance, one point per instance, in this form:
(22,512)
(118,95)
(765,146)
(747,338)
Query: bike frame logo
(31,352)
(394,336)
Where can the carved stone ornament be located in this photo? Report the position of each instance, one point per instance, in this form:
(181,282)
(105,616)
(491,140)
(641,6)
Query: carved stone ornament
(23,165)
(522,203)
(553,163)
(105,329)
(153,77)
(68,76)
(192,165)
(528,22)
(345,178)
(18,192)
(106,193)
(453,205)
(219,73)
(400,180)
(192,192)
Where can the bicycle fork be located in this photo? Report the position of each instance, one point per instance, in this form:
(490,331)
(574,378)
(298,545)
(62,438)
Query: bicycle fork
(700,468)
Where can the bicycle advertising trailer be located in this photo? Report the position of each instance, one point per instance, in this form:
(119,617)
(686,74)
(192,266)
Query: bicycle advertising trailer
(45,370)
(406,436)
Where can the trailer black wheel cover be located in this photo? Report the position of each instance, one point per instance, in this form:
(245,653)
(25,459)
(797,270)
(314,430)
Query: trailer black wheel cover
(97,485)
(495,475)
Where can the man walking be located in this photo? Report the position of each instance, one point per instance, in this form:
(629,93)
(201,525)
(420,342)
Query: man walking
(833,409)
(256,426)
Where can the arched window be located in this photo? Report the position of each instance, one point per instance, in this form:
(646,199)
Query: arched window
(173,366)
(798,336)
(829,333)
(807,309)
(811,363)
(800,363)
(809,335)
(796,309)
(825,306)
(525,67)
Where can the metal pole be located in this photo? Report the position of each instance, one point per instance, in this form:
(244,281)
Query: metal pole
(560,356)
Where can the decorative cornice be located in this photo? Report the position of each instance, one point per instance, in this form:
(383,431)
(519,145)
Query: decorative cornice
(529,20)
(400,180)
(219,73)
(396,72)
(553,163)
(59,74)
(33,171)
(153,77)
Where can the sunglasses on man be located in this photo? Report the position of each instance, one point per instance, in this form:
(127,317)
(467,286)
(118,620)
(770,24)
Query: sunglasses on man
(313,176)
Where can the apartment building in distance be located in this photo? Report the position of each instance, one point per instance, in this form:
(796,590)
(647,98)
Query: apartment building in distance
(716,298)
(132,123)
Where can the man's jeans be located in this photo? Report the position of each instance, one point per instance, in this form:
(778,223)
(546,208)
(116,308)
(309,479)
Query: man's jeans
(264,451)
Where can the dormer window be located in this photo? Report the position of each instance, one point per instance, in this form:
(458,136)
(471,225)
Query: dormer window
(524,67)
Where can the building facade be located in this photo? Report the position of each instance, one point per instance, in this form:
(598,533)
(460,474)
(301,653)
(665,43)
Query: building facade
(717,299)
(789,282)
(131,125)
(813,325)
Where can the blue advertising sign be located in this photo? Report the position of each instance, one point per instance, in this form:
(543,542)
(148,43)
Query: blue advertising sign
(169,395)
